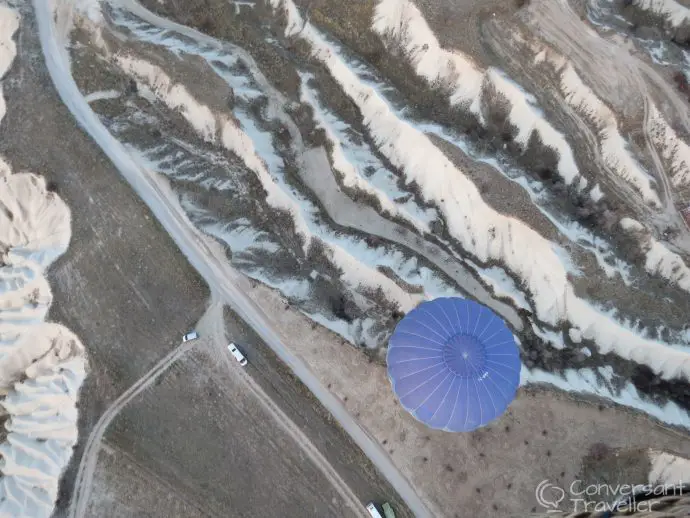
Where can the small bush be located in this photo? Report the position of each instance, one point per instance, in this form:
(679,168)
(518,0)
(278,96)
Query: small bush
(207,26)
(681,81)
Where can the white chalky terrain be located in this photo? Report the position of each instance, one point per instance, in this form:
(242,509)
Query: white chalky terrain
(613,146)
(42,365)
(659,260)
(675,152)
(674,12)
(668,469)
(401,21)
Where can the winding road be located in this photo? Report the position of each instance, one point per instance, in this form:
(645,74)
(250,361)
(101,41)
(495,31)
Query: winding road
(205,255)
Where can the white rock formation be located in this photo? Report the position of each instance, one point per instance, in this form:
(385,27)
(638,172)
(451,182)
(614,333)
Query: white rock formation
(659,260)
(674,151)
(42,365)
(668,469)
(674,13)
(401,21)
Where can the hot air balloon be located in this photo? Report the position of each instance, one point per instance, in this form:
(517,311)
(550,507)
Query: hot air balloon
(453,364)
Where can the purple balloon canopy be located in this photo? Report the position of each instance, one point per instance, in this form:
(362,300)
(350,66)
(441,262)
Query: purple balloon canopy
(453,364)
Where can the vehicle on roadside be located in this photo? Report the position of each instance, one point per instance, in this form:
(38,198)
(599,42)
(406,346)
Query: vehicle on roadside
(373,510)
(192,335)
(237,354)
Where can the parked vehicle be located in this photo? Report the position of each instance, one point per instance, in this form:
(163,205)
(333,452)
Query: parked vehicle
(237,354)
(373,510)
(375,513)
(192,335)
(388,510)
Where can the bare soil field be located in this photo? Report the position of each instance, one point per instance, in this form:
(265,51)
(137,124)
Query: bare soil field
(122,487)
(247,464)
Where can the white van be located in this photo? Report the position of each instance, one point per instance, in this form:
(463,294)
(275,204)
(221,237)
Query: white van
(192,335)
(237,354)
(373,510)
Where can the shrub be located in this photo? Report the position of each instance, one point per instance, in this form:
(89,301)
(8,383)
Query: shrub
(681,81)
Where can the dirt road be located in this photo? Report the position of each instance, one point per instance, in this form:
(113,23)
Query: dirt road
(212,336)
